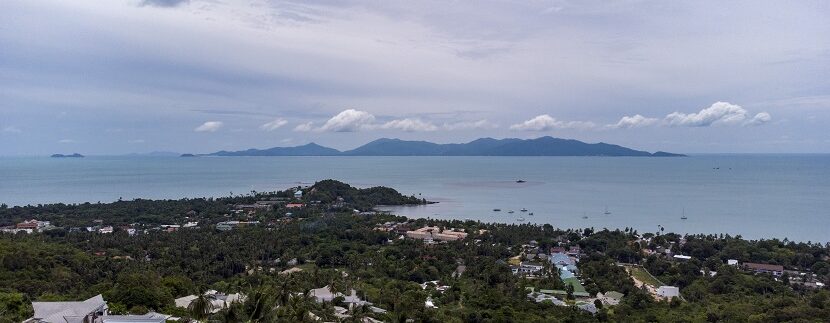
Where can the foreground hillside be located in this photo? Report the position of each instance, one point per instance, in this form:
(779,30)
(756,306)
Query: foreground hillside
(281,249)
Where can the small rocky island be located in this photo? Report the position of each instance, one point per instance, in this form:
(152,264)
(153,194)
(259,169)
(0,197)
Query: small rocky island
(75,155)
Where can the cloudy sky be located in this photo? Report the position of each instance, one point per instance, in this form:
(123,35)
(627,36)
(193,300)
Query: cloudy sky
(122,76)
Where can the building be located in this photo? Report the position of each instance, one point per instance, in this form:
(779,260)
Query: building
(527,268)
(732,262)
(230,225)
(775,270)
(610,298)
(324,294)
(561,259)
(33,225)
(435,233)
(90,310)
(668,291)
(253,207)
(106,229)
(218,300)
(298,194)
(151,317)
(294,205)
(682,257)
(93,310)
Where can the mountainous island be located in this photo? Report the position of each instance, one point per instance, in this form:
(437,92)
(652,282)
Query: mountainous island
(75,155)
(543,146)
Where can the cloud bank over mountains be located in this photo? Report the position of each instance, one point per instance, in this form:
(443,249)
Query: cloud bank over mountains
(640,73)
(353,120)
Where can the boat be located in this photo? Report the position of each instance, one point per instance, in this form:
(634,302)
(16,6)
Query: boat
(520,219)
(683,217)
(511,212)
(521,181)
(523,210)
(606,211)
(531,213)
(496,210)
(584,216)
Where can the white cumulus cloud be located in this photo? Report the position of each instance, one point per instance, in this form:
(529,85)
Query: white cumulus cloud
(719,113)
(546,122)
(350,120)
(635,121)
(210,126)
(304,127)
(409,125)
(759,119)
(274,125)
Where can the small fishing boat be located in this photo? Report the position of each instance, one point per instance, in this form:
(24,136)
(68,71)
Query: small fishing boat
(523,210)
(511,212)
(606,211)
(520,181)
(520,219)
(496,210)
(531,213)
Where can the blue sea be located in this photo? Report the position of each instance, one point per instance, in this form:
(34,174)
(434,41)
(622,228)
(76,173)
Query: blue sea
(755,196)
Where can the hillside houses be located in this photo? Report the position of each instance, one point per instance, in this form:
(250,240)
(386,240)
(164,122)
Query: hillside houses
(28,226)
(92,310)
(775,270)
(218,300)
(430,234)
(230,225)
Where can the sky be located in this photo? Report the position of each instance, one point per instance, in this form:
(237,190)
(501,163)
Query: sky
(198,76)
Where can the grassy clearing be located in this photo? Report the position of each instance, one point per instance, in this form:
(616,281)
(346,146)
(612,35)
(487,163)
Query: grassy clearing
(642,275)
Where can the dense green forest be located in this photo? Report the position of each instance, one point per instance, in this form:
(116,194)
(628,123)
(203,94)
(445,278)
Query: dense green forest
(338,247)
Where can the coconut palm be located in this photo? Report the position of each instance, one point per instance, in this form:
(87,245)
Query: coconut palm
(201,307)
(358,312)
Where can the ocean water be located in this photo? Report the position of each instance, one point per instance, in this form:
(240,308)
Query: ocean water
(756,196)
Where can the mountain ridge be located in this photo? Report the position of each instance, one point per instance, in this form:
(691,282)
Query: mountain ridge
(542,146)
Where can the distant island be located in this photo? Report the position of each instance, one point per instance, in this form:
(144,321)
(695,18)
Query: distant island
(543,146)
(75,155)
(187,155)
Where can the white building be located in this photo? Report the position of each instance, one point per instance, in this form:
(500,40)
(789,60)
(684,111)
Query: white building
(93,310)
(668,291)
(63,312)
(217,300)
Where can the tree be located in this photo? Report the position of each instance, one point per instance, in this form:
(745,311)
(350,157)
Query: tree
(569,288)
(13,307)
(201,307)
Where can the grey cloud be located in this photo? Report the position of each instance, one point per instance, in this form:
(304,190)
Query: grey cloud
(719,113)
(163,3)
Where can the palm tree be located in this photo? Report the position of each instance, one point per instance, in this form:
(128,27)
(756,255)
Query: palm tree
(232,314)
(258,305)
(201,307)
(359,312)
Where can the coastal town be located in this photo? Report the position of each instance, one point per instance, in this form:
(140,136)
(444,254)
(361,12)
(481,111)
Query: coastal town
(545,270)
